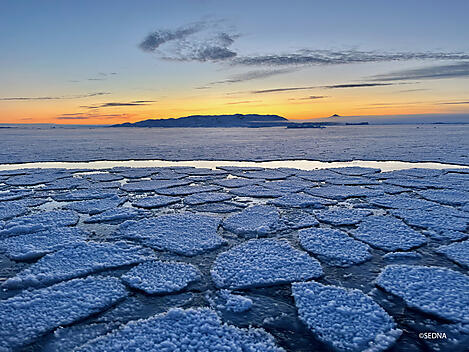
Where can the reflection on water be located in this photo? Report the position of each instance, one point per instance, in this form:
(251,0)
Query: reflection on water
(297,164)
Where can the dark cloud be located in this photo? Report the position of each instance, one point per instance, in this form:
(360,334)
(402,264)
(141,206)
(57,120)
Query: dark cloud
(311,97)
(460,69)
(243,102)
(64,97)
(357,85)
(334,86)
(329,57)
(72,118)
(114,104)
(455,103)
(154,40)
(249,76)
(84,116)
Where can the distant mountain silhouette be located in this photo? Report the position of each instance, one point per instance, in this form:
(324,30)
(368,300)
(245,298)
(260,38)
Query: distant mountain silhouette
(335,115)
(236,120)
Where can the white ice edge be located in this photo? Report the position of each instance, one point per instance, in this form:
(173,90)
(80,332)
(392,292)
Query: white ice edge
(212,164)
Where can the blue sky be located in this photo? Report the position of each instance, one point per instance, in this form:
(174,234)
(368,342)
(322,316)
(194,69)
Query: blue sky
(84,61)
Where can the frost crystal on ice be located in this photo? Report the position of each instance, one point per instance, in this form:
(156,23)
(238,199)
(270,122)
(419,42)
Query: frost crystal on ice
(388,233)
(183,330)
(161,277)
(31,314)
(186,234)
(155,202)
(434,290)
(342,216)
(336,247)
(346,319)
(263,262)
(257,220)
(457,252)
(78,260)
(207,197)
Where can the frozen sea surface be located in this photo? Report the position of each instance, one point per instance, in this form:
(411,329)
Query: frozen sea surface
(381,259)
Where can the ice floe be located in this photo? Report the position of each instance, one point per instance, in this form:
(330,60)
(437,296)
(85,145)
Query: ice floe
(334,247)
(288,186)
(301,200)
(155,202)
(256,191)
(345,319)
(263,262)
(116,215)
(342,216)
(257,220)
(388,233)
(152,185)
(227,300)
(10,210)
(33,313)
(235,182)
(37,222)
(352,180)
(219,207)
(400,202)
(186,190)
(434,290)
(265,174)
(394,256)
(157,277)
(135,172)
(458,252)
(354,170)
(34,245)
(343,192)
(207,197)
(78,260)
(97,206)
(186,234)
(14,194)
(183,330)
(446,196)
(104,177)
(86,194)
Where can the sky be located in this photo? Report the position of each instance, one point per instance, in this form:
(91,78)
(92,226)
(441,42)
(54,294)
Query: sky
(106,62)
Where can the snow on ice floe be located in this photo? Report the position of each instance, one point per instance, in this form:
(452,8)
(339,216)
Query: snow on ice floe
(436,218)
(78,260)
(458,252)
(228,301)
(345,319)
(434,290)
(14,194)
(34,245)
(388,233)
(256,191)
(343,192)
(288,186)
(186,234)
(400,202)
(393,256)
(37,222)
(206,197)
(200,329)
(301,200)
(186,190)
(235,182)
(264,174)
(157,277)
(257,220)
(155,202)
(352,180)
(85,194)
(263,262)
(355,170)
(447,196)
(152,185)
(222,207)
(104,177)
(342,216)
(10,210)
(31,314)
(334,246)
(116,215)
(97,206)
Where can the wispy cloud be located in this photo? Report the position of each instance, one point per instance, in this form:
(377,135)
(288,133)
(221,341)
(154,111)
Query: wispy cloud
(249,76)
(85,116)
(460,69)
(334,86)
(311,97)
(63,97)
(157,38)
(114,104)
(455,103)
(243,102)
(329,57)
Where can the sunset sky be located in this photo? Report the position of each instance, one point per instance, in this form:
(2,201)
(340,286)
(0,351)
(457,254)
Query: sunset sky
(103,62)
